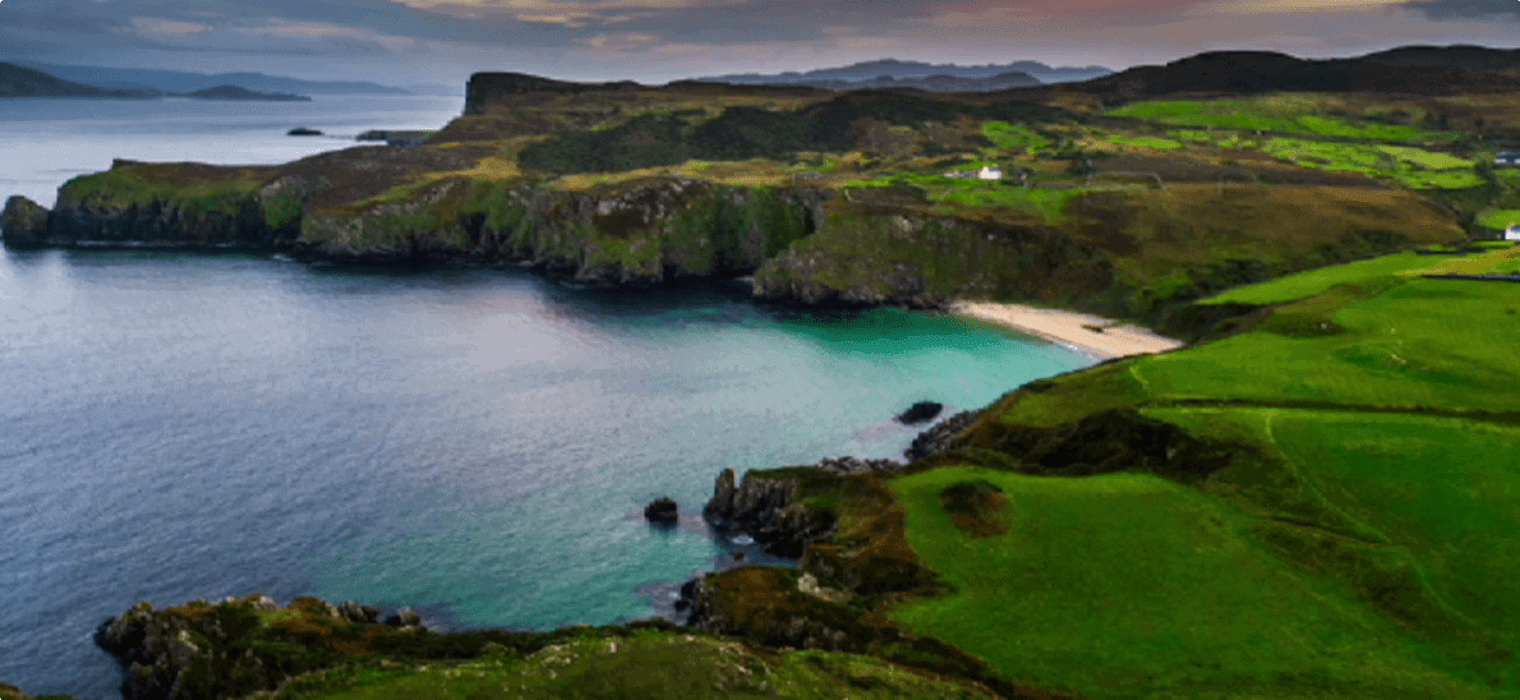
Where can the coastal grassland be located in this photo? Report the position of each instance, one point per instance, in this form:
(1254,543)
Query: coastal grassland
(1413,167)
(1156,142)
(195,188)
(648,665)
(1502,259)
(1131,586)
(1318,281)
(1430,502)
(1188,241)
(1307,114)
(1499,218)
(1014,137)
(1422,344)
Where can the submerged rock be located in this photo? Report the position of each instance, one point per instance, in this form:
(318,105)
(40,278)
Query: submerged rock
(920,412)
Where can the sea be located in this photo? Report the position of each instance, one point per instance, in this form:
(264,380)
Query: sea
(477,444)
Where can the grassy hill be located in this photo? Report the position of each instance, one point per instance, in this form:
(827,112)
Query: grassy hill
(1360,543)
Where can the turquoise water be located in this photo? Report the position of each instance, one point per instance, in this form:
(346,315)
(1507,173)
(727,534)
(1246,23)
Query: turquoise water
(477,444)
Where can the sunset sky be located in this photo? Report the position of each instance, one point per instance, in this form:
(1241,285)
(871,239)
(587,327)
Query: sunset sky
(653,41)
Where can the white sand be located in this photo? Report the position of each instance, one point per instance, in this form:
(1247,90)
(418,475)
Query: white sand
(1066,327)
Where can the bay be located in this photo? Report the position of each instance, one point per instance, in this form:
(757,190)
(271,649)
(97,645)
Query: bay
(477,444)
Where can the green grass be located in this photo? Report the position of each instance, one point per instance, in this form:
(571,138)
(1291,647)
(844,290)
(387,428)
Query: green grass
(226,194)
(1144,141)
(1130,586)
(1283,114)
(1499,218)
(1437,496)
(1014,137)
(1308,284)
(1420,342)
(649,665)
(1413,167)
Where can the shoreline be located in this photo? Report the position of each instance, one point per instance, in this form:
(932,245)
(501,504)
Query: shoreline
(1070,328)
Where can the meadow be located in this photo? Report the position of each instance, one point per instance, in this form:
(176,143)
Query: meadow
(1361,543)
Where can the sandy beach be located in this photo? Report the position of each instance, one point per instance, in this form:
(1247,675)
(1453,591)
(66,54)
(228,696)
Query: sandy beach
(1067,327)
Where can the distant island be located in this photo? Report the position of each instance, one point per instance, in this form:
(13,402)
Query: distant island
(19,81)
(173,81)
(233,92)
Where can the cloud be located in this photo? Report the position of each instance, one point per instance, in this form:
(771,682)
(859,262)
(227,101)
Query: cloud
(1443,10)
(169,27)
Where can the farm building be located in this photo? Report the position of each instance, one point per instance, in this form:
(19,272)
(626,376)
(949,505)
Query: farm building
(1512,233)
(1507,158)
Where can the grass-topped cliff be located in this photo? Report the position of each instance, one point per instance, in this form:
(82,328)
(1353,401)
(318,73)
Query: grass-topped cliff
(1126,209)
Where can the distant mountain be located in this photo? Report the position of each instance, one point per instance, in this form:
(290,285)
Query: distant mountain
(186,82)
(18,81)
(233,92)
(1466,56)
(1268,71)
(899,70)
(933,83)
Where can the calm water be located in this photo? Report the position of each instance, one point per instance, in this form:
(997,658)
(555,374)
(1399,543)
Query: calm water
(474,443)
(47,141)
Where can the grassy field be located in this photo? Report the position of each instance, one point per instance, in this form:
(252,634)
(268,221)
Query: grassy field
(1283,113)
(1131,586)
(1416,343)
(1364,544)
(647,666)
(1313,282)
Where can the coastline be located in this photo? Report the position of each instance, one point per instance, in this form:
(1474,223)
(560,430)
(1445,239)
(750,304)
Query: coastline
(1070,329)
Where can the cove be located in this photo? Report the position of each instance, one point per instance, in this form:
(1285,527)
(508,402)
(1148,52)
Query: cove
(474,443)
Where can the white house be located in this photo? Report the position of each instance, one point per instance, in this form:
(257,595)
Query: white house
(990,172)
(1507,158)
(1513,232)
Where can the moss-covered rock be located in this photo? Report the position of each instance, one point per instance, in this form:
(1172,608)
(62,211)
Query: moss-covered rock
(24,224)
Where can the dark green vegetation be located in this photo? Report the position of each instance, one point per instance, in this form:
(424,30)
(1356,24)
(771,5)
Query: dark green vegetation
(250,648)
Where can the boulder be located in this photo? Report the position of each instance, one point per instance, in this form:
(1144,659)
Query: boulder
(663,511)
(354,612)
(405,617)
(24,224)
(920,412)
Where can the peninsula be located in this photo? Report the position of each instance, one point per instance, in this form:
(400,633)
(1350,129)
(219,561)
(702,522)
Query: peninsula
(1311,492)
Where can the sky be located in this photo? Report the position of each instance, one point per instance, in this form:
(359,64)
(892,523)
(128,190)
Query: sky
(654,41)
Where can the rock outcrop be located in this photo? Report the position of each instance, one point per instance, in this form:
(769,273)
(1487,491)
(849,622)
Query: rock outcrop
(770,507)
(210,651)
(940,437)
(24,224)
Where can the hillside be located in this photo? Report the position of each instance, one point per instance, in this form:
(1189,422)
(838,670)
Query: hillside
(1315,498)
(16,81)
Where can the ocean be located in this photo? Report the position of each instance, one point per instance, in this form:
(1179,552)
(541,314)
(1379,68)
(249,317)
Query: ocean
(477,444)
